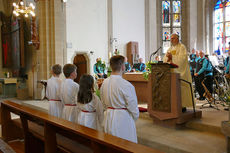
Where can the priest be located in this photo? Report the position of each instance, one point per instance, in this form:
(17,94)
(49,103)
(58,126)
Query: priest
(177,54)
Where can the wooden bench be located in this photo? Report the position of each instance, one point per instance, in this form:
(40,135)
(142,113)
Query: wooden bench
(49,134)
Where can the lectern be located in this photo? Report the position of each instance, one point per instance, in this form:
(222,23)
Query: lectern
(164,102)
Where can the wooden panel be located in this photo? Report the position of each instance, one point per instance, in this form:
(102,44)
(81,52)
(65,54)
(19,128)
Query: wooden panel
(161,88)
(132,52)
(140,84)
(81,63)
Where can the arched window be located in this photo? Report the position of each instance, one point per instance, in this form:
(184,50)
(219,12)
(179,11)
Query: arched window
(221,26)
(171,21)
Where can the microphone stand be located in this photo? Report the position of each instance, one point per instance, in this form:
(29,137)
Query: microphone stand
(154,53)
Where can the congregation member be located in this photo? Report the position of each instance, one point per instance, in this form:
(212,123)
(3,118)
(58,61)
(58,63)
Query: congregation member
(91,111)
(140,67)
(120,99)
(226,64)
(69,92)
(192,60)
(53,91)
(197,56)
(177,54)
(209,75)
(127,65)
(99,68)
(200,74)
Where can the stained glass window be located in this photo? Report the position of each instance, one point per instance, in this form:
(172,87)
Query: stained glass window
(176,6)
(165,11)
(171,21)
(227,29)
(221,26)
(177,31)
(227,13)
(166,33)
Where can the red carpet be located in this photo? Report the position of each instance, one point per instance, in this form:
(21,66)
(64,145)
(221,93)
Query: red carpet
(141,109)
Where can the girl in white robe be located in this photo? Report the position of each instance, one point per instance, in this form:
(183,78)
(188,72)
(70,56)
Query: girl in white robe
(53,92)
(69,91)
(89,105)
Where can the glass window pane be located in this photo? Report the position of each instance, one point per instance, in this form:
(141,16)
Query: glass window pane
(228,3)
(218,15)
(176,6)
(166,34)
(227,29)
(218,30)
(166,13)
(166,45)
(218,48)
(227,13)
(177,31)
(176,19)
(218,5)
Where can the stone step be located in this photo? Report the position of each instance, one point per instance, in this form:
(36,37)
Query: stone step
(210,121)
(173,140)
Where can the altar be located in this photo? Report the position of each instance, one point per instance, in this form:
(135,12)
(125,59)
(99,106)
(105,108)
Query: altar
(8,87)
(140,84)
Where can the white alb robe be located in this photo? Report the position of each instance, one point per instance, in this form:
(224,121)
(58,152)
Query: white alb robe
(116,92)
(91,114)
(180,57)
(69,91)
(53,95)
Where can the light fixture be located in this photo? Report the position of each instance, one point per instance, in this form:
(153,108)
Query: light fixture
(22,8)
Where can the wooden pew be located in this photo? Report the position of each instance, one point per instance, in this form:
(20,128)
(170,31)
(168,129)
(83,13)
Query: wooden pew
(49,134)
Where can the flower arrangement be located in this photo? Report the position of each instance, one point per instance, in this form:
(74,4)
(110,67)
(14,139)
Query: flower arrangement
(148,70)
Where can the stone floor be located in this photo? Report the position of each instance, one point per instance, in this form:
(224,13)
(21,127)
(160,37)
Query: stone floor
(198,136)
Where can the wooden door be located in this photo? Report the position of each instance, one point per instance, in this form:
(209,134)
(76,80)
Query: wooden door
(81,63)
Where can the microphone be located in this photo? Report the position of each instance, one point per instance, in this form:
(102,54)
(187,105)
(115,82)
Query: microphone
(154,53)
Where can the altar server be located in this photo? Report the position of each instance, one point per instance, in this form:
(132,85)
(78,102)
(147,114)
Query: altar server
(90,107)
(177,54)
(120,99)
(53,91)
(69,91)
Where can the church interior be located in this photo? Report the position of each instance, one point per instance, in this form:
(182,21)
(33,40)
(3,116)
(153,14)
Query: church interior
(37,34)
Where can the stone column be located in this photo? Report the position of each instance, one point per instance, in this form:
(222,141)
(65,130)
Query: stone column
(51,15)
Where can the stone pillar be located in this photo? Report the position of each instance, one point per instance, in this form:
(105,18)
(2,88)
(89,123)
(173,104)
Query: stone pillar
(51,15)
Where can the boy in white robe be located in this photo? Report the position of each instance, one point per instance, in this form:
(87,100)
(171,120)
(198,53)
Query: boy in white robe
(69,91)
(121,101)
(90,107)
(53,91)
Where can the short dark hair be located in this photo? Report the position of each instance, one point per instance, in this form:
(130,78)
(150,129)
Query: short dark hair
(116,62)
(68,69)
(85,90)
(57,69)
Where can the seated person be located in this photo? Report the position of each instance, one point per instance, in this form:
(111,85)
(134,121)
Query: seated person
(127,65)
(99,68)
(139,66)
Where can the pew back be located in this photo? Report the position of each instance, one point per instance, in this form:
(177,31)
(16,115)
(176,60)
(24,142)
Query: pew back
(96,141)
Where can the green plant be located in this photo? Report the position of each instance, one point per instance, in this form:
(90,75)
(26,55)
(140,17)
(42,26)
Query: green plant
(148,70)
(98,93)
(5,74)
